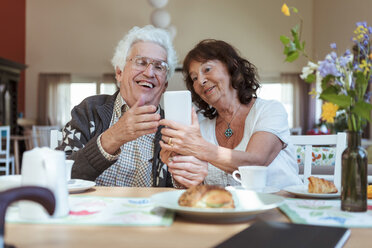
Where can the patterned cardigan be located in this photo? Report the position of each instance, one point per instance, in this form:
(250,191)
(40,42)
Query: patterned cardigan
(89,119)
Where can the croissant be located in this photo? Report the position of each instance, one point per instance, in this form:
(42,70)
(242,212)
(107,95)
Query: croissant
(321,186)
(206,196)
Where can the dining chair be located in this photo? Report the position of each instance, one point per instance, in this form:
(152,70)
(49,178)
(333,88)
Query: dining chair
(55,138)
(5,157)
(41,135)
(338,140)
(295,130)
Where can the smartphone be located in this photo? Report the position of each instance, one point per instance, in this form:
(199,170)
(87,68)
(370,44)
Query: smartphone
(177,106)
(288,235)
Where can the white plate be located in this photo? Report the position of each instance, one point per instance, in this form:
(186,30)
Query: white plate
(79,185)
(247,204)
(267,189)
(301,190)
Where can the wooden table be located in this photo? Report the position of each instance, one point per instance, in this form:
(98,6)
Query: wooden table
(182,233)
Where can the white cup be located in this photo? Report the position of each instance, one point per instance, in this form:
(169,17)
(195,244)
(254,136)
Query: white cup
(251,177)
(46,168)
(69,163)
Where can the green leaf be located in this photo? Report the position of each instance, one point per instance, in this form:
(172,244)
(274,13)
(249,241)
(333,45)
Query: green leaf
(342,101)
(292,47)
(363,109)
(351,93)
(330,90)
(286,50)
(289,48)
(298,44)
(292,57)
(310,78)
(326,80)
(294,30)
(284,39)
(361,84)
(295,10)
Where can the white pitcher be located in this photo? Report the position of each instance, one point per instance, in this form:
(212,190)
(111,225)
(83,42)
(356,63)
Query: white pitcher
(46,168)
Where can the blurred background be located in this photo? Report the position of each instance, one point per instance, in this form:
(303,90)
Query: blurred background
(66,47)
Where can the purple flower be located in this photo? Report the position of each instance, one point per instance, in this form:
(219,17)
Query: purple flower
(333,56)
(364,24)
(338,82)
(370,30)
(347,52)
(327,67)
(367,96)
(333,45)
(343,61)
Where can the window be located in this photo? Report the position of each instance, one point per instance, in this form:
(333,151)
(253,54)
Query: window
(282,92)
(81,90)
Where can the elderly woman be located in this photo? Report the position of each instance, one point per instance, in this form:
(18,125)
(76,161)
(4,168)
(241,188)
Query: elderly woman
(239,128)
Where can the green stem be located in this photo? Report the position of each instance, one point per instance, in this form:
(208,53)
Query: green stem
(301,22)
(352,122)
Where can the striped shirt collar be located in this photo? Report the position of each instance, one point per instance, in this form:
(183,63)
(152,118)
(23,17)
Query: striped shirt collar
(120,102)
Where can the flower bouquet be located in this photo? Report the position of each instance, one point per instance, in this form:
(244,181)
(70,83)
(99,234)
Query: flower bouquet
(344,82)
(344,79)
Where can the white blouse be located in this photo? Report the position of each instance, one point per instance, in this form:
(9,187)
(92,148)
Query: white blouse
(265,115)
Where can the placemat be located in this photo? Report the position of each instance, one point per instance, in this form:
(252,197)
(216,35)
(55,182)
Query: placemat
(325,212)
(109,211)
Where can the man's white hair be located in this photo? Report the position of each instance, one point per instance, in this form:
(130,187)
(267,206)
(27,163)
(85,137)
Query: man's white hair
(146,33)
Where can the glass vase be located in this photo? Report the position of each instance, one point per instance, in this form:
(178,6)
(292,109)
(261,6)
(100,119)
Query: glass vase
(354,175)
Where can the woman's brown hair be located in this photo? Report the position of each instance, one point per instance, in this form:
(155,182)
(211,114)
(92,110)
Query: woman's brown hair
(243,74)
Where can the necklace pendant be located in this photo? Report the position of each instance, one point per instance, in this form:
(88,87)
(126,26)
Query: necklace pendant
(228,132)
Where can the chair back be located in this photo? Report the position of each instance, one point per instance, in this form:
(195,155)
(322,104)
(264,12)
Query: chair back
(295,131)
(338,140)
(5,148)
(55,138)
(41,135)
(5,140)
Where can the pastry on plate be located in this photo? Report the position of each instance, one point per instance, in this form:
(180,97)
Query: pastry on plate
(206,196)
(321,186)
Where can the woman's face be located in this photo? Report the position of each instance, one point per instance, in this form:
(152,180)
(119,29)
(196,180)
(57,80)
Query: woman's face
(211,81)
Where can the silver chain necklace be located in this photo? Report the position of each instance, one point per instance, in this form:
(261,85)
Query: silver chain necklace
(229,132)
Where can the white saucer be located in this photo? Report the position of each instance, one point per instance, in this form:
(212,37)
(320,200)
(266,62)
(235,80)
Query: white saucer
(79,185)
(267,189)
(302,191)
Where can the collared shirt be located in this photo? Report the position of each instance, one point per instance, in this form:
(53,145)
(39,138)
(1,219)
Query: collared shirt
(134,165)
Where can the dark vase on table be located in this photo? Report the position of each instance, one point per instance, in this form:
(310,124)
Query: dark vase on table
(354,175)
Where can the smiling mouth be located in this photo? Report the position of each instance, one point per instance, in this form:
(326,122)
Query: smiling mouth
(209,90)
(146,84)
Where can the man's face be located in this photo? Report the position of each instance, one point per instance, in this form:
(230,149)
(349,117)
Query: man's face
(138,81)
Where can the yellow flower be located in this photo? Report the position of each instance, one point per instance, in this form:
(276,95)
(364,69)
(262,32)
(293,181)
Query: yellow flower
(313,93)
(329,112)
(366,66)
(360,31)
(285,10)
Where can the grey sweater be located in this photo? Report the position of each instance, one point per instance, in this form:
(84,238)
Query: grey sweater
(89,119)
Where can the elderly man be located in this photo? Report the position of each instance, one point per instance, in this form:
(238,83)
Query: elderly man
(114,140)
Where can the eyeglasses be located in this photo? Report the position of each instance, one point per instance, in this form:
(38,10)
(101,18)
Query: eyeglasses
(141,63)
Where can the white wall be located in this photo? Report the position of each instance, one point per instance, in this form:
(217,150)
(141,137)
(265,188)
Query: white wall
(334,21)
(79,36)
